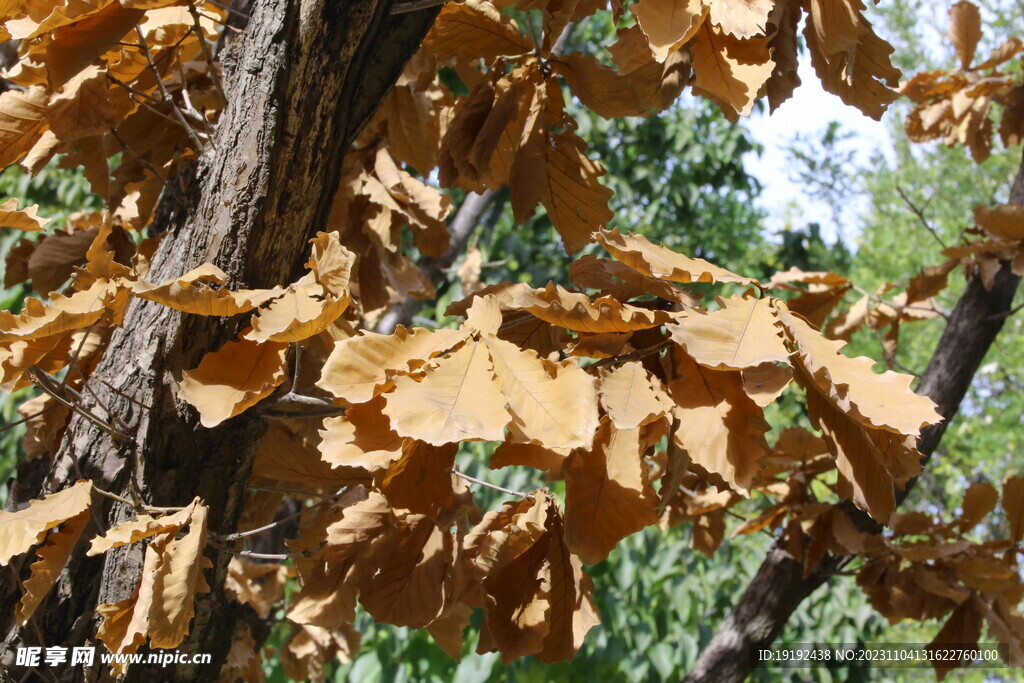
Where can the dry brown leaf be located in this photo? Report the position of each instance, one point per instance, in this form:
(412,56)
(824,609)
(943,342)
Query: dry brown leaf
(553,406)
(177,581)
(457,400)
(63,314)
(410,566)
(979,500)
(25,219)
(742,334)
(668,24)
(233,378)
(740,18)
(474,29)
(421,479)
(359,366)
(362,437)
(73,47)
(636,252)
(730,80)
(50,560)
(22,122)
(608,495)
(143,527)
(631,396)
(21,530)
(720,427)
(193,293)
(1013,506)
(965,30)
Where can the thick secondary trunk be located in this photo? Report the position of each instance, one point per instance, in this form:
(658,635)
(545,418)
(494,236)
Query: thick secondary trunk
(778,588)
(302,79)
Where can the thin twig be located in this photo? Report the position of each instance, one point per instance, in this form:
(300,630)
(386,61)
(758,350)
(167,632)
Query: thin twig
(481,482)
(298,367)
(635,355)
(920,216)
(214,76)
(1007,314)
(292,405)
(279,557)
(267,527)
(149,166)
(163,90)
(135,506)
(26,419)
(292,492)
(43,381)
(122,394)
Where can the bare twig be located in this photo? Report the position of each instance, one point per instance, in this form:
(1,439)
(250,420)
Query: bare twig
(26,419)
(278,557)
(919,212)
(481,482)
(46,383)
(144,47)
(292,492)
(292,405)
(238,535)
(211,67)
(136,506)
(298,366)
(1007,314)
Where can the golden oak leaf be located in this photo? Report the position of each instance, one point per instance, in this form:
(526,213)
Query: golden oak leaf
(765,383)
(1003,222)
(652,260)
(863,478)
(608,495)
(358,366)
(83,107)
(457,400)
(571,595)
(965,30)
(243,661)
(623,283)
(728,73)
(50,560)
(414,124)
(285,455)
(720,427)
(178,580)
(527,455)
(474,29)
(411,563)
(483,317)
(607,92)
(631,396)
(783,42)
(126,623)
(553,168)
(311,649)
(74,47)
(25,219)
(233,378)
(21,530)
(742,334)
(876,400)
(447,630)
(308,306)
(22,122)
(362,437)
(668,23)
(740,18)
(63,314)
(141,528)
(575,311)
(1013,506)
(556,408)
(260,585)
(816,306)
(979,500)
(853,62)
(193,293)
(421,479)
(962,629)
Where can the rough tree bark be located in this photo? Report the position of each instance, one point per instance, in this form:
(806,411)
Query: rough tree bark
(779,587)
(303,79)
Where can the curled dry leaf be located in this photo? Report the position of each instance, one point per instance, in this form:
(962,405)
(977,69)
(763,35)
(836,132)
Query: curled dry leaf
(25,219)
(233,378)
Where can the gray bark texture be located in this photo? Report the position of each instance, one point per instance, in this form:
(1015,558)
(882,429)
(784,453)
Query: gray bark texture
(302,79)
(779,587)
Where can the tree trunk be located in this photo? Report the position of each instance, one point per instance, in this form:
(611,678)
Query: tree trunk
(778,588)
(302,80)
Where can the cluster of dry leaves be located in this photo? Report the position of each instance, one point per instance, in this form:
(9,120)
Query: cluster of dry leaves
(642,394)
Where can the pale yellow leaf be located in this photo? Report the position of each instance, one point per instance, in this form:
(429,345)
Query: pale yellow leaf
(358,366)
(50,561)
(555,408)
(177,581)
(457,400)
(143,527)
(631,396)
(742,334)
(193,293)
(21,530)
(362,437)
